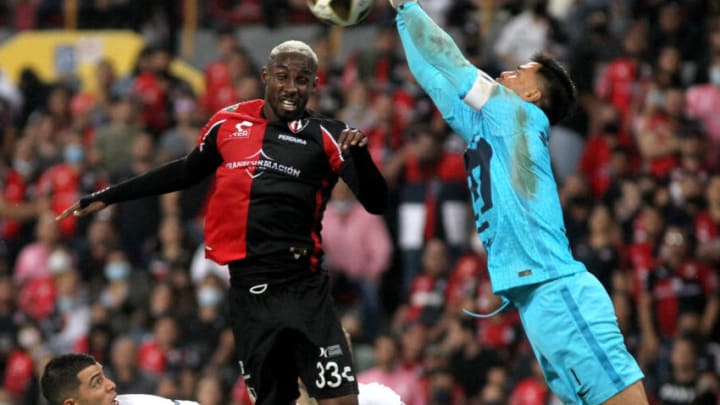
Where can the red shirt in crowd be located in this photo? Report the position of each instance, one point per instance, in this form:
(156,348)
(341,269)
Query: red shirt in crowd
(13,191)
(18,372)
(153,96)
(706,229)
(617,84)
(63,183)
(678,290)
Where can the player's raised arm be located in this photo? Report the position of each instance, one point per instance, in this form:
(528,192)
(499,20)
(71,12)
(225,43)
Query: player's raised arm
(419,33)
(362,176)
(173,176)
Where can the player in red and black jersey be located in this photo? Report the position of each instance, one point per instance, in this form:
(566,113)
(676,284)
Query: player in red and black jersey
(275,164)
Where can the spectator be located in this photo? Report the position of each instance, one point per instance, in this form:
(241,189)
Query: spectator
(387,370)
(375,65)
(426,298)
(469,362)
(616,84)
(122,288)
(136,221)
(358,249)
(169,249)
(524,35)
(596,160)
(221,91)
(680,388)
(203,332)
(32,262)
(707,224)
(700,101)
(432,199)
(71,317)
(123,368)
(160,354)
(113,141)
(643,253)
(531,390)
(657,131)
(64,182)
(177,141)
(679,290)
(600,251)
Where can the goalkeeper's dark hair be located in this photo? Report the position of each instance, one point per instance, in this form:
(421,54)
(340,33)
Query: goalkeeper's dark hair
(60,378)
(559,97)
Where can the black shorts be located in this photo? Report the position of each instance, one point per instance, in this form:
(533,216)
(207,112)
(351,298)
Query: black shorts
(287,331)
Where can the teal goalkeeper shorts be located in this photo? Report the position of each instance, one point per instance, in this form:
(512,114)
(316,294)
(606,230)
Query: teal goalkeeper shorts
(571,325)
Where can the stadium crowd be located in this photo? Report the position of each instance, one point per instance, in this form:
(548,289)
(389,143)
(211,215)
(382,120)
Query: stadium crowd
(638,167)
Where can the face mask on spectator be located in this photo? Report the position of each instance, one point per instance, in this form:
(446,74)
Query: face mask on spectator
(117,271)
(611,127)
(442,396)
(28,337)
(65,304)
(715,75)
(342,206)
(23,167)
(209,296)
(74,153)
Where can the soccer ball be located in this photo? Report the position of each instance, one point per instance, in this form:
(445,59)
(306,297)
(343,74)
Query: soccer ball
(340,12)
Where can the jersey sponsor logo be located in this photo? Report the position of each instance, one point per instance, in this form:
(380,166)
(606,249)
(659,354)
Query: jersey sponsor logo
(297,125)
(259,162)
(331,351)
(242,130)
(232,107)
(288,138)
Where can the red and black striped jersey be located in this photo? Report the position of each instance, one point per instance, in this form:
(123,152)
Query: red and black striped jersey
(271,187)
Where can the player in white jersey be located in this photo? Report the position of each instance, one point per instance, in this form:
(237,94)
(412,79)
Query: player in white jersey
(370,394)
(77,379)
(378,394)
(141,399)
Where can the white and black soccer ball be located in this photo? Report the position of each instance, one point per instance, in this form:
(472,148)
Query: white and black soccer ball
(341,12)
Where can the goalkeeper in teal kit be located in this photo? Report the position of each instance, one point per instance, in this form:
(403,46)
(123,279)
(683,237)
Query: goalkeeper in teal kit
(566,313)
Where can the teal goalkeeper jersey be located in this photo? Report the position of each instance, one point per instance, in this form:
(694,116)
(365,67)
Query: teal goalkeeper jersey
(514,193)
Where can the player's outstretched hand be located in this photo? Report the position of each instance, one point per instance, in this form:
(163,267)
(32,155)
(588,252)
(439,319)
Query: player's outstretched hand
(352,137)
(75,209)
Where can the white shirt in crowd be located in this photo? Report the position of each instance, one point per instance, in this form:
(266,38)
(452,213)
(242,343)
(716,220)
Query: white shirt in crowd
(140,399)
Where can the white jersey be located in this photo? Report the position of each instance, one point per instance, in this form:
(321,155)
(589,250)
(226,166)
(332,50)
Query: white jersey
(140,399)
(377,394)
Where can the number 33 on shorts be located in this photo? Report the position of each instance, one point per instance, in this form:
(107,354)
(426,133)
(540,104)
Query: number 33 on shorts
(330,375)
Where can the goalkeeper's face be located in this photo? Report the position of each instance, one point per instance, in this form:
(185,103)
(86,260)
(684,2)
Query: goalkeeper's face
(525,81)
(289,81)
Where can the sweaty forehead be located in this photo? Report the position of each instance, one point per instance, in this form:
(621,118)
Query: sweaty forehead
(294,61)
(88,372)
